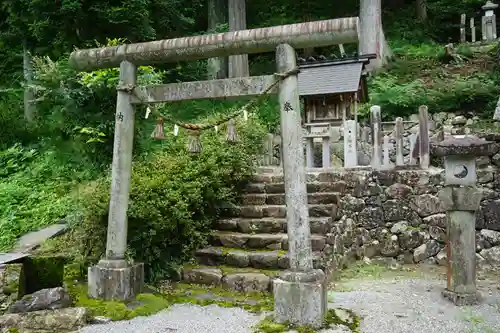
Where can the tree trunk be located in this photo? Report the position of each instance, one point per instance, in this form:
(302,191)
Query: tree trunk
(238,64)
(422,10)
(217,14)
(29,96)
(372,38)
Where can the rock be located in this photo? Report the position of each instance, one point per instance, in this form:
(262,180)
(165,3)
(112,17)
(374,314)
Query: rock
(491,255)
(264,259)
(438,220)
(406,258)
(459,120)
(207,276)
(371,217)
(45,299)
(440,117)
(442,257)
(399,227)
(11,284)
(490,214)
(425,251)
(395,210)
(495,159)
(390,246)
(345,316)
(437,233)
(483,161)
(410,239)
(247,282)
(46,321)
(481,243)
(481,263)
(491,236)
(237,259)
(426,204)
(398,191)
(99,320)
(351,204)
(371,249)
(484,176)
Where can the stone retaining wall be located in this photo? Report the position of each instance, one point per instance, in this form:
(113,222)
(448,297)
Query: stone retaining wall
(398,214)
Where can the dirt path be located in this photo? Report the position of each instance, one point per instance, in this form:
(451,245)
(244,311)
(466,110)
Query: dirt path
(410,301)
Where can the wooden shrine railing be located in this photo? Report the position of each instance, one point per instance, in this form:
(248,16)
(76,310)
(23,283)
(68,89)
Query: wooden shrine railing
(387,141)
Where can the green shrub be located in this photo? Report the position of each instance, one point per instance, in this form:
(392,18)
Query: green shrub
(175,197)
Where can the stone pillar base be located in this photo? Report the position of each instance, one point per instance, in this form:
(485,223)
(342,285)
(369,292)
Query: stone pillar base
(115,280)
(462,299)
(300,298)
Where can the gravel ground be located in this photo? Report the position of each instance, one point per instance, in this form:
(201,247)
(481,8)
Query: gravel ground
(395,306)
(184,318)
(415,306)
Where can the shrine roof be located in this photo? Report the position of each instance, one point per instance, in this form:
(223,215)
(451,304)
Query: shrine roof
(331,76)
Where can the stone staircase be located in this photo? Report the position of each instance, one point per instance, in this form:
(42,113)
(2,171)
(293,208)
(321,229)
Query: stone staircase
(249,247)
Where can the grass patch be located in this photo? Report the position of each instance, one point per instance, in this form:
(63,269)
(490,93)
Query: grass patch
(360,270)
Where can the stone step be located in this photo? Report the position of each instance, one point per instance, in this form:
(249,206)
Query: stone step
(311,176)
(279,198)
(245,280)
(217,256)
(259,241)
(319,225)
(312,187)
(279,211)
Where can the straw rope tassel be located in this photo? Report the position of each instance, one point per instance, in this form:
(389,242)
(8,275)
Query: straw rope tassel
(231,131)
(159,131)
(194,143)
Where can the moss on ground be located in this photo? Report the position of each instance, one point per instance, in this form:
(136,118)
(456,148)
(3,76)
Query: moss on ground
(143,305)
(333,317)
(163,297)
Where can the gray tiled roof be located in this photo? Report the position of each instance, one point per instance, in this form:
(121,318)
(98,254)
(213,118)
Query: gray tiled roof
(329,79)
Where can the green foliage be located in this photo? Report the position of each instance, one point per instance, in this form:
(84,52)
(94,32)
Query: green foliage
(175,197)
(38,194)
(15,159)
(422,76)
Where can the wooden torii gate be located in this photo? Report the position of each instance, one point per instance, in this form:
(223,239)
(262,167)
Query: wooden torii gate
(300,294)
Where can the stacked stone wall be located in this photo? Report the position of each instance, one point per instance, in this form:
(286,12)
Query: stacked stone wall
(398,214)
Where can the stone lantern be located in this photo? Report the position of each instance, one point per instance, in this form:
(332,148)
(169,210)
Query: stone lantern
(461,199)
(489,25)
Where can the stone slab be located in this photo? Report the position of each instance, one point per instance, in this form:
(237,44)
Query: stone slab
(6,258)
(47,321)
(34,239)
(301,302)
(115,283)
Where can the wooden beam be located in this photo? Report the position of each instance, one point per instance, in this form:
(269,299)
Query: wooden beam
(299,35)
(213,89)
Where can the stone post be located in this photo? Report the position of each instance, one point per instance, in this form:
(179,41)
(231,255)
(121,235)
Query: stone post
(461,199)
(300,293)
(489,25)
(113,277)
